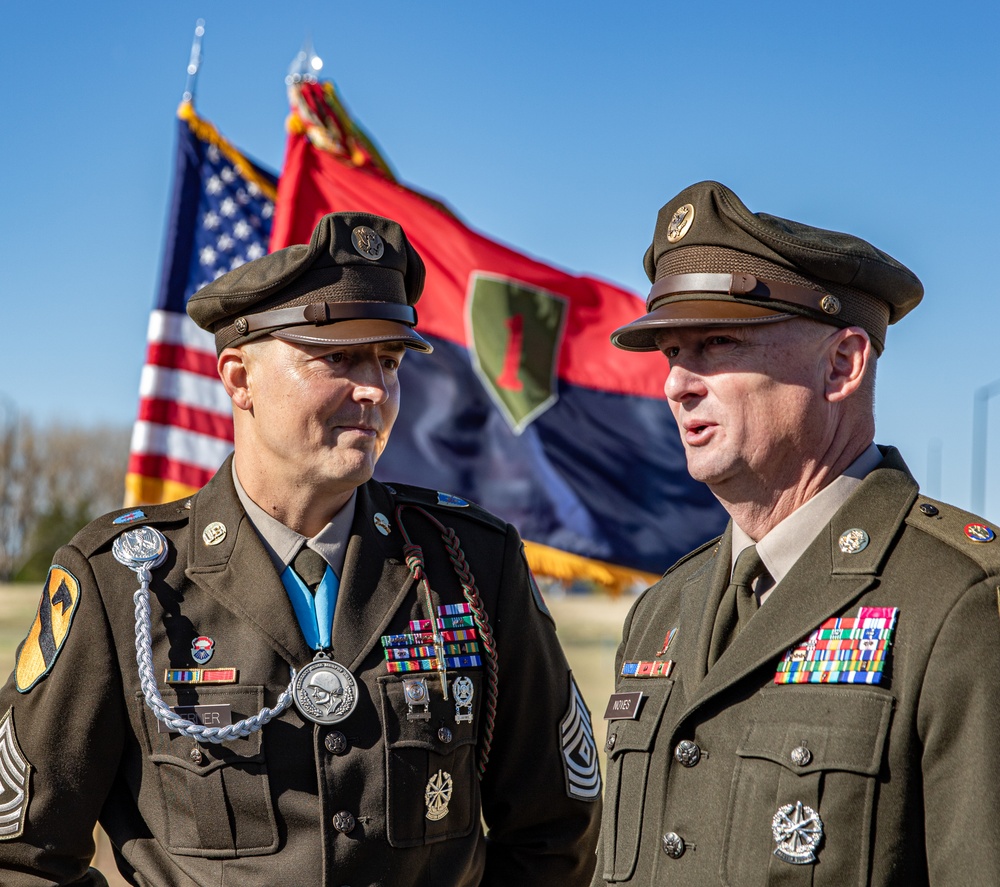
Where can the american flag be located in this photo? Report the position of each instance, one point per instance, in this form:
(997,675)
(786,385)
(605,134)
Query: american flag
(220,218)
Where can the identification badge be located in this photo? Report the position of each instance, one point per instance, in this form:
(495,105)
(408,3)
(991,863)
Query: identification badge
(203,715)
(622,706)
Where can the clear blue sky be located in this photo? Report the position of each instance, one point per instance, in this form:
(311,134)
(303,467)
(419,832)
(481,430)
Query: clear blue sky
(559,128)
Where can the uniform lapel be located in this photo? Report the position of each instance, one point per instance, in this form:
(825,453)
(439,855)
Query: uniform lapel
(823,582)
(238,572)
(700,598)
(375,580)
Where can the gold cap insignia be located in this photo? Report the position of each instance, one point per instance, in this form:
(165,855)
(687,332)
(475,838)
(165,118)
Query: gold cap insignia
(367,242)
(680,224)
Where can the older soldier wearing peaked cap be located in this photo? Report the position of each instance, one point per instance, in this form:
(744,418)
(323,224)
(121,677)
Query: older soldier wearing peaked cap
(812,697)
(300,675)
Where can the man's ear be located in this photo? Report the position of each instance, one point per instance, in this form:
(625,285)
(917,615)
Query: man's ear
(848,358)
(235,377)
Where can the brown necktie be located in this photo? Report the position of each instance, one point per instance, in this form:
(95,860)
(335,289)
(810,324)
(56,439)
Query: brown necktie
(738,602)
(310,566)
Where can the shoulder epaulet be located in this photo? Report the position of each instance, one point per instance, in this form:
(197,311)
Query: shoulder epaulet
(976,538)
(404,493)
(712,543)
(101,531)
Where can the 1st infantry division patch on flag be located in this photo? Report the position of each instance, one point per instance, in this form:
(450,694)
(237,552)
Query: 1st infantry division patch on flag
(37,653)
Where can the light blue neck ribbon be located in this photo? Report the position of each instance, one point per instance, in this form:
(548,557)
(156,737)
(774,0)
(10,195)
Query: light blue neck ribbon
(315,614)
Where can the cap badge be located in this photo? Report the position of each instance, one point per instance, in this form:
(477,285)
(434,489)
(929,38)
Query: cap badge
(242,325)
(830,305)
(853,541)
(979,533)
(797,830)
(214,533)
(680,223)
(367,242)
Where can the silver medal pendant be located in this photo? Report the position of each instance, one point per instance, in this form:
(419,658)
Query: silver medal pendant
(324,691)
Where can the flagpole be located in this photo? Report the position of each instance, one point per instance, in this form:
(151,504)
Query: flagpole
(194,62)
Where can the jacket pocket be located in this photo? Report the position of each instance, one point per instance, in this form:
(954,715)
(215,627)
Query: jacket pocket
(820,746)
(432,788)
(216,800)
(629,746)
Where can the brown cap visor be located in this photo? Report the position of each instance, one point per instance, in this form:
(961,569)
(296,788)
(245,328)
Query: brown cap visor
(640,335)
(354,332)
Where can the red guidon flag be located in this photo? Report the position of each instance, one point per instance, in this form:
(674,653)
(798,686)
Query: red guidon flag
(525,406)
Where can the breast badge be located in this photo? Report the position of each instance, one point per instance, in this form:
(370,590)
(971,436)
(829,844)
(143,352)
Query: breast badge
(437,795)
(37,653)
(797,830)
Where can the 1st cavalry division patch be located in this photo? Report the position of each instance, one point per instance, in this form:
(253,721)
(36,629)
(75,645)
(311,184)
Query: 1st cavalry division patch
(38,651)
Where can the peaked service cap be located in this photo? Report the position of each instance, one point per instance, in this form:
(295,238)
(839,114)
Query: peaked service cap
(355,282)
(713,262)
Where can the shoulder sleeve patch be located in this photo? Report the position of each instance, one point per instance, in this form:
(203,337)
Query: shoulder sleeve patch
(38,651)
(579,752)
(15,773)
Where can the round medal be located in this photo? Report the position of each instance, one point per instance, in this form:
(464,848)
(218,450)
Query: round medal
(141,548)
(324,691)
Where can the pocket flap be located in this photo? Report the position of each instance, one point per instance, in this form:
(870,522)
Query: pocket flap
(408,725)
(840,728)
(638,734)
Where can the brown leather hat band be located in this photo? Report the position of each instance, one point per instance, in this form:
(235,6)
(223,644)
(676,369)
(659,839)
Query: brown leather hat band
(743,286)
(321,313)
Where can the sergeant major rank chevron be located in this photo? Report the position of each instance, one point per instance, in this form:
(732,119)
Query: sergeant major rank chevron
(583,776)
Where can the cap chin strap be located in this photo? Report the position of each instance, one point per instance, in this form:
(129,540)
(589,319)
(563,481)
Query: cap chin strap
(744,286)
(320,313)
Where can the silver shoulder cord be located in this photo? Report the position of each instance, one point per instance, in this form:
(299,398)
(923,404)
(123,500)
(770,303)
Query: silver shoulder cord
(142,550)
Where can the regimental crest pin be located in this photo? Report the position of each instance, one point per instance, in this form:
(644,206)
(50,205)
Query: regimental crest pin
(202,649)
(437,795)
(979,533)
(382,523)
(15,772)
(797,830)
(853,541)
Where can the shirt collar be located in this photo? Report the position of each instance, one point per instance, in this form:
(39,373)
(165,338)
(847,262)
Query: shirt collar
(283,543)
(786,542)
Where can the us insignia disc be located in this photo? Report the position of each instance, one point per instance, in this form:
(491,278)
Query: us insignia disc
(797,830)
(37,653)
(324,691)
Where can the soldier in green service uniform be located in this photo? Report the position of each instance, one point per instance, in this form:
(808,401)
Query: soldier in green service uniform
(300,675)
(812,697)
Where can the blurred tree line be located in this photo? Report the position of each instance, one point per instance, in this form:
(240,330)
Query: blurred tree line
(54,479)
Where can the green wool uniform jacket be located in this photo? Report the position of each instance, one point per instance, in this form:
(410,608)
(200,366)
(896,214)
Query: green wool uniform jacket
(904,774)
(295,803)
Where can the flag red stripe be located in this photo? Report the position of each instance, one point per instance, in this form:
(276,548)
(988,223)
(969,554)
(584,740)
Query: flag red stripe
(180,357)
(165,468)
(180,415)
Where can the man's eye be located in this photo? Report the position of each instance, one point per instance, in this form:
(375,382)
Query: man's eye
(336,357)
(390,363)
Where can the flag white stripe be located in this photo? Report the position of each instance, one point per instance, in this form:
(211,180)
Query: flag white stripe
(176,443)
(191,389)
(172,328)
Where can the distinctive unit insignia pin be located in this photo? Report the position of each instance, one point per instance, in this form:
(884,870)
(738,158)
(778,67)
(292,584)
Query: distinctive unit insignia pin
(680,223)
(382,523)
(797,831)
(214,533)
(463,690)
(437,795)
(324,691)
(853,541)
(979,533)
(367,242)
(202,649)
(415,691)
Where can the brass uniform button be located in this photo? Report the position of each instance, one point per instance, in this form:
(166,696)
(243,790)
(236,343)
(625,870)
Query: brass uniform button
(687,753)
(928,509)
(335,742)
(344,821)
(673,845)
